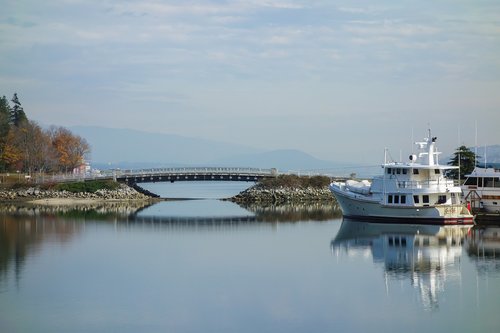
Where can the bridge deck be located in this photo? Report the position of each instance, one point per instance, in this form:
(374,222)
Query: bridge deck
(173,175)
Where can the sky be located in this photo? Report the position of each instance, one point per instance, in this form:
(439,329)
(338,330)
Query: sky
(340,80)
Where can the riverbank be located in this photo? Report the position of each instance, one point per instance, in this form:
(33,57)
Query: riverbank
(282,195)
(42,196)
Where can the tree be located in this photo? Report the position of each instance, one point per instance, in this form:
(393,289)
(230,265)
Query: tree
(17,115)
(70,150)
(465,159)
(11,155)
(4,125)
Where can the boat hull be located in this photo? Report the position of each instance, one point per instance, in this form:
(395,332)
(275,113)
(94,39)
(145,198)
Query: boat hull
(359,207)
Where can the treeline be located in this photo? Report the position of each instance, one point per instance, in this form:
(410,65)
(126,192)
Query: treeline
(28,148)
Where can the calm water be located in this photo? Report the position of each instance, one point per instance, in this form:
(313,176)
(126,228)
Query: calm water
(212,266)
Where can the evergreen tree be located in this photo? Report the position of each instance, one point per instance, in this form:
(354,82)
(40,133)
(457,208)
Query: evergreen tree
(4,117)
(466,159)
(17,115)
(4,127)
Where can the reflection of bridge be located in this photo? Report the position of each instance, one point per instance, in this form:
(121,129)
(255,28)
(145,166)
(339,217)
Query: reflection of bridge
(191,221)
(173,175)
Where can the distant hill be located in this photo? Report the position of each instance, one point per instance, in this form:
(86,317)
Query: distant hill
(491,153)
(283,159)
(132,149)
(112,146)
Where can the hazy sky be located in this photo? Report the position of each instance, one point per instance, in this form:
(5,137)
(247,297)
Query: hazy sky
(338,79)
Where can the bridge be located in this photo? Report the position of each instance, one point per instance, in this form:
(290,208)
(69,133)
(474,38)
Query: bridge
(171,175)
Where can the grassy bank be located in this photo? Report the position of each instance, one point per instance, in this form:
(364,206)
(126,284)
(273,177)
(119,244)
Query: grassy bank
(294,181)
(90,186)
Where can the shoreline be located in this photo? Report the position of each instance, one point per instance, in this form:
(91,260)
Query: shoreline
(283,195)
(38,196)
(257,194)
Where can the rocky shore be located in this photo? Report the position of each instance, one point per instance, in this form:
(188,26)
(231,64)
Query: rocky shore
(257,194)
(39,195)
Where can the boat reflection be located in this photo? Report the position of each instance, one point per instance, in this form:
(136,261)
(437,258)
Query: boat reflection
(426,255)
(483,247)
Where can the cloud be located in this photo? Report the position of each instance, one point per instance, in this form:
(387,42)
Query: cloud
(263,58)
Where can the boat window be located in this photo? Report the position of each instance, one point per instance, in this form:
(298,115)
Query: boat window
(415,171)
(471,181)
(436,171)
(388,171)
(497,182)
(405,171)
(398,171)
(425,199)
(396,199)
(389,198)
(442,199)
(403,199)
(488,182)
(480,182)
(416,199)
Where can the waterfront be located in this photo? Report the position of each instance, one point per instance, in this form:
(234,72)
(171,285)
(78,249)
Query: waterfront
(213,266)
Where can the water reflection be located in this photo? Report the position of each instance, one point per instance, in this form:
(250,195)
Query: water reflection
(426,255)
(24,227)
(294,212)
(21,236)
(483,247)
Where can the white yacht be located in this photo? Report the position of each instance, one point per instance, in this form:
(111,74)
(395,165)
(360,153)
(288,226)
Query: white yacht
(482,189)
(413,192)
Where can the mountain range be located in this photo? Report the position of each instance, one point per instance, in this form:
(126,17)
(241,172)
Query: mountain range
(133,149)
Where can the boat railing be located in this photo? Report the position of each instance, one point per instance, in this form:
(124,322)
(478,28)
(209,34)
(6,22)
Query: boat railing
(413,184)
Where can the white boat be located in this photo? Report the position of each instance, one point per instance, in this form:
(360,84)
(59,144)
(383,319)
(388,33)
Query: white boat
(412,192)
(482,189)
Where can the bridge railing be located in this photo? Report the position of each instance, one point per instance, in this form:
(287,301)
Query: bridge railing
(197,170)
(118,173)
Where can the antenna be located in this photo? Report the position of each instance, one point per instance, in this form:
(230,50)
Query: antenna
(485,159)
(475,148)
(412,142)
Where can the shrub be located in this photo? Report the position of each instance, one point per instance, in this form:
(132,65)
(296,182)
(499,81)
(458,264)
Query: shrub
(294,181)
(88,186)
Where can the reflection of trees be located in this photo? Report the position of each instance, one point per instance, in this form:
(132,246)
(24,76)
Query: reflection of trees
(92,210)
(24,226)
(294,212)
(426,255)
(21,235)
(483,247)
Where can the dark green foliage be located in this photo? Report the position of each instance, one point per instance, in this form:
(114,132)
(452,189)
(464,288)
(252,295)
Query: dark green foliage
(466,159)
(294,181)
(88,186)
(17,115)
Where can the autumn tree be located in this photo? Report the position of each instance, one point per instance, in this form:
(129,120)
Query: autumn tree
(4,126)
(465,159)
(34,147)
(70,150)
(25,146)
